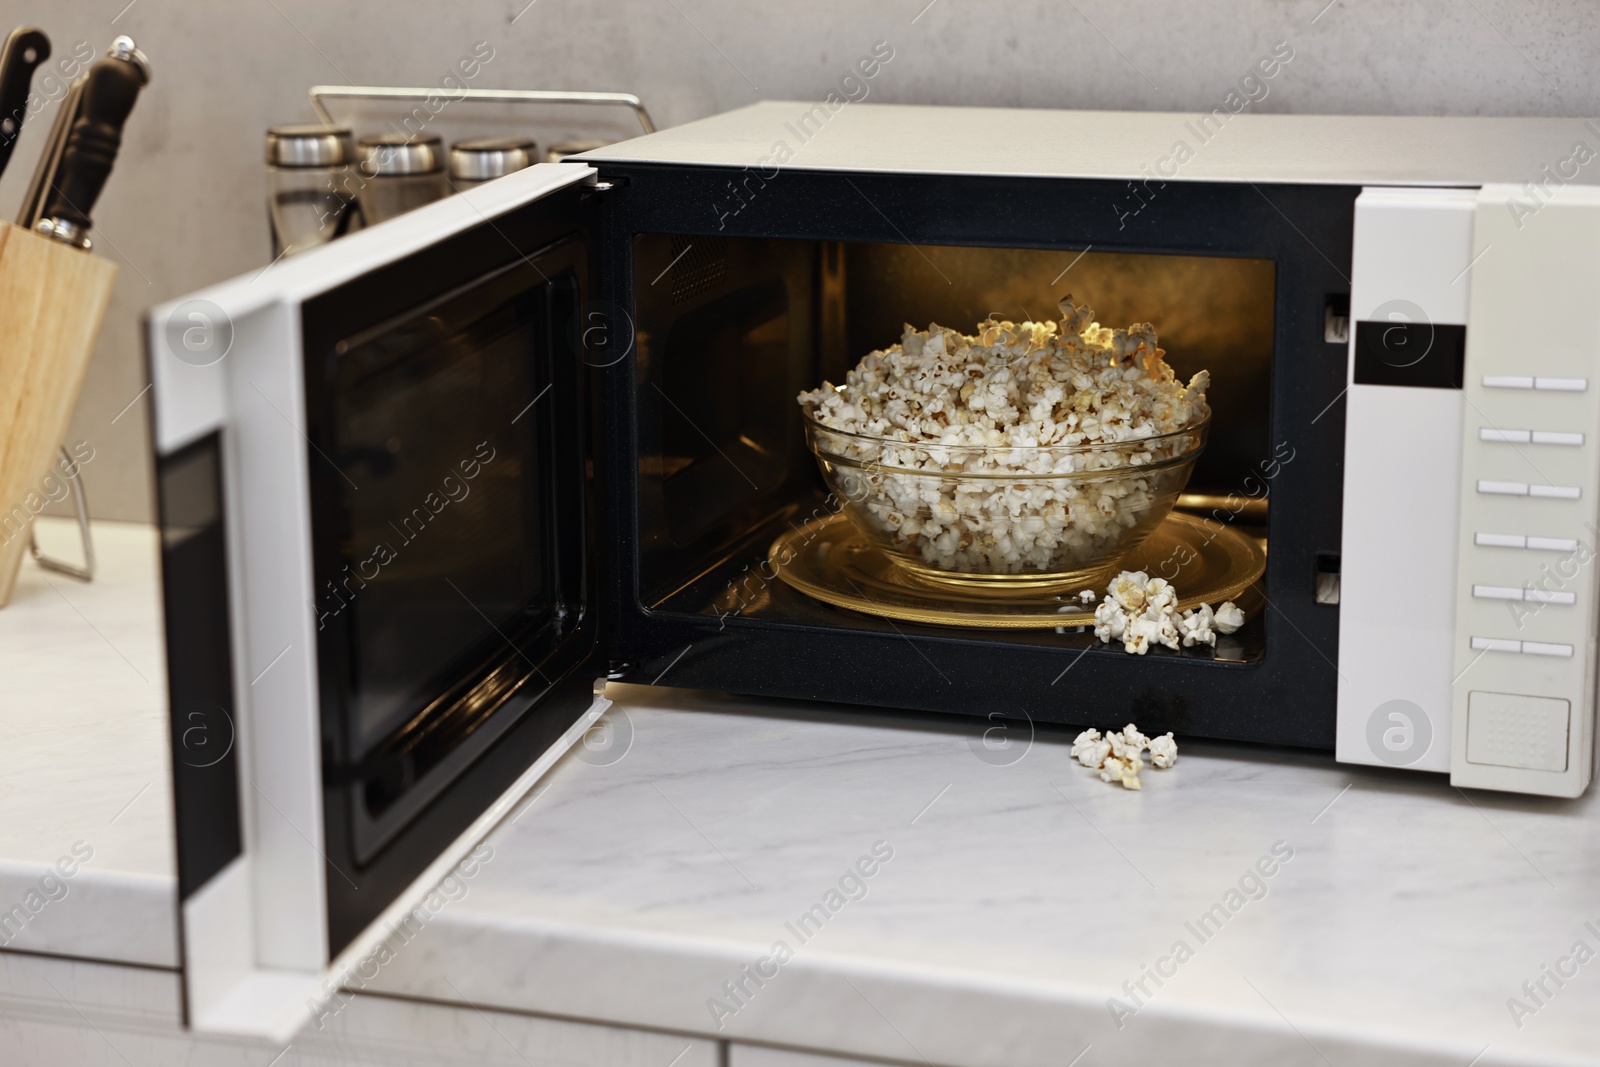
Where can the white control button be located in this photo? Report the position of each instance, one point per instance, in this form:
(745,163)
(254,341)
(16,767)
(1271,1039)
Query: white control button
(1554,492)
(1495,644)
(1545,596)
(1553,544)
(1509,437)
(1552,437)
(1489,540)
(1562,385)
(1502,381)
(1497,592)
(1541,648)
(1503,488)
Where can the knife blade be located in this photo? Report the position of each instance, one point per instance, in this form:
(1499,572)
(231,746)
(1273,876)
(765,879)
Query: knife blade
(109,93)
(22,53)
(50,157)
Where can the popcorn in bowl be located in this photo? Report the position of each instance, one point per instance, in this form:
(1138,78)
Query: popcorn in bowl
(1032,450)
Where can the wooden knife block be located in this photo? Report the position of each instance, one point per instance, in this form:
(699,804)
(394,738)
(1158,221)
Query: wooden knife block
(52,300)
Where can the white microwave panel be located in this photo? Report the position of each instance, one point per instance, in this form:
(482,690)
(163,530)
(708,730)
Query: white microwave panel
(275,643)
(229,358)
(1526,593)
(191,340)
(1410,262)
(1139,146)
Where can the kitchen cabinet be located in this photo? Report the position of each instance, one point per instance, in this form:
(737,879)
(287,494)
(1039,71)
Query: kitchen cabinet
(60,1011)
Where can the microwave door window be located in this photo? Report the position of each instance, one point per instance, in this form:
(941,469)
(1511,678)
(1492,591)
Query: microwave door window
(445,546)
(437,567)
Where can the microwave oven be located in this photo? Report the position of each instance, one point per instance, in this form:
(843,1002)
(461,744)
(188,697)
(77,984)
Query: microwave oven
(424,489)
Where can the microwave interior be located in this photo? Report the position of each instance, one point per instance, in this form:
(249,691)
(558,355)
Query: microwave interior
(732,328)
(505,505)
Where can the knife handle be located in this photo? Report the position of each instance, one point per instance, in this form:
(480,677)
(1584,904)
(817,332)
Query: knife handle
(24,50)
(108,96)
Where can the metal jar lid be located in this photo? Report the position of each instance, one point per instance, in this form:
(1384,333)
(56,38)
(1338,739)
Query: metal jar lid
(393,155)
(309,145)
(562,149)
(484,158)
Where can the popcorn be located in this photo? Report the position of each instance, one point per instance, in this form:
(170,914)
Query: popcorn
(1125,771)
(1128,590)
(1139,610)
(1160,598)
(1137,633)
(1092,756)
(1119,747)
(1130,772)
(1086,597)
(1229,618)
(941,402)
(1110,621)
(1117,755)
(1090,749)
(1197,627)
(1113,769)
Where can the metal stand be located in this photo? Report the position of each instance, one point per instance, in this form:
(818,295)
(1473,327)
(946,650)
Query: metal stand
(319,93)
(80,504)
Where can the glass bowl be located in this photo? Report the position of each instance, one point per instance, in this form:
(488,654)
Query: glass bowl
(1006,515)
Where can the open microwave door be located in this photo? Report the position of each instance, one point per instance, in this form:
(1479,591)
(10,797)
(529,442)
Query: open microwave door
(378,555)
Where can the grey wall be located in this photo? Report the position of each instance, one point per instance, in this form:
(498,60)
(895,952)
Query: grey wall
(185,207)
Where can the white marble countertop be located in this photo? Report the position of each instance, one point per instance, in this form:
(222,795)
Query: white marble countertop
(1020,898)
(83,754)
(644,874)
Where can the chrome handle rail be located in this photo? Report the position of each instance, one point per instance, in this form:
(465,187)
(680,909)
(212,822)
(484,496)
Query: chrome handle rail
(321,93)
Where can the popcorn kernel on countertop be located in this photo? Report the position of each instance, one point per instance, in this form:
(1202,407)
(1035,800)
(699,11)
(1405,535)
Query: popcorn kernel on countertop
(1116,755)
(1163,751)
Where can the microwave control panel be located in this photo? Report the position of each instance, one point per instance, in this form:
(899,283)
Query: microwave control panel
(1526,606)
(1468,603)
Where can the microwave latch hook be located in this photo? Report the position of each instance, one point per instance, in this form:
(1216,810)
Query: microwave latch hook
(595,183)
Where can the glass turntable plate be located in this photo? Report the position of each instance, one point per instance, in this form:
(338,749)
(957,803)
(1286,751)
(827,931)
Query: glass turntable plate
(829,559)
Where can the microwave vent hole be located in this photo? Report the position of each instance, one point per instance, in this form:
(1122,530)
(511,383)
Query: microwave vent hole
(699,264)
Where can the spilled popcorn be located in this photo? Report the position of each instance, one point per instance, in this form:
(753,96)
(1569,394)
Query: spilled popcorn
(1139,610)
(1118,755)
(1031,399)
